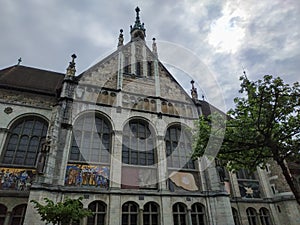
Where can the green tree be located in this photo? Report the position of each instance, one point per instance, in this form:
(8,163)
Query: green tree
(62,213)
(264,125)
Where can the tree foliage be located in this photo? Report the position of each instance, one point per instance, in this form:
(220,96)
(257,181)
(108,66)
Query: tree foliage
(62,213)
(264,125)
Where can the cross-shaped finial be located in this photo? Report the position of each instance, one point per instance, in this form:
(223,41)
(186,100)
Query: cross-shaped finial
(19,61)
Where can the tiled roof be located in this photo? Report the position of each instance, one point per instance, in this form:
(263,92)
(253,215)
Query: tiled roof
(31,79)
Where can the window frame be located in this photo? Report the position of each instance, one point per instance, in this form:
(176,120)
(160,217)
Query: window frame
(90,137)
(130,214)
(200,216)
(151,213)
(175,136)
(133,143)
(252,216)
(24,130)
(97,213)
(177,214)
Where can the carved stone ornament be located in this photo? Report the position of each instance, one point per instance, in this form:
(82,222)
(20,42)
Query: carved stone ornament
(8,110)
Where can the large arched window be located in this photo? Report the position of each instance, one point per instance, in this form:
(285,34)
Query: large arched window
(265,216)
(89,156)
(18,215)
(91,139)
(138,143)
(151,214)
(3,210)
(24,141)
(252,216)
(178,148)
(235,215)
(99,210)
(130,213)
(198,214)
(179,214)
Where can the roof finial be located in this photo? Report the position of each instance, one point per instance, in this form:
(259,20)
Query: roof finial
(19,61)
(154,47)
(194,91)
(71,68)
(138,29)
(121,38)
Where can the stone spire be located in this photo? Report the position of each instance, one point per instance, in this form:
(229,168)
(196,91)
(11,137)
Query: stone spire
(194,91)
(138,29)
(154,47)
(121,38)
(71,68)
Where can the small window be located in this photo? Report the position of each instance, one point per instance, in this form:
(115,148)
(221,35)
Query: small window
(235,215)
(149,68)
(126,65)
(151,214)
(18,215)
(99,210)
(179,214)
(265,216)
(252,216)
(198,214)
(3,211)
(138,68)
(130,213)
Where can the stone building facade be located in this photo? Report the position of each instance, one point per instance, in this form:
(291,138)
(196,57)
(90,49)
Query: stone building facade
(119,136)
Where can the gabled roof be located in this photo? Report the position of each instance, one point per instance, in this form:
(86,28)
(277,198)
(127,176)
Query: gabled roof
(31,79)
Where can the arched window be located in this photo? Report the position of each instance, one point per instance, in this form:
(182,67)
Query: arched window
(18,215)
(91,140)
(24,141)
(3,211)
(198,214)
(179,214)
(235,215)
(138,143)
(99,210)
(130,213)
(252,216)
(178,148)
(265,216)
(151,214)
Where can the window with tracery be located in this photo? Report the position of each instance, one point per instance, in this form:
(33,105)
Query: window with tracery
(18,215)
(235,215)
(24,141)
(198,214)
(130,213)
(138,143)
(180,214)
(151,214)
(178,148)
(252,216)
(91,140)
(265,216)
(99,210)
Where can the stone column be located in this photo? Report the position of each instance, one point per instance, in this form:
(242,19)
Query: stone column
(115,210)
(166,211)
(116,161)
(189,216)
(7,218)
(162,164)
(140,216)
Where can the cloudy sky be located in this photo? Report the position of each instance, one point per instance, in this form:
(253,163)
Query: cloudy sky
(223,37)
